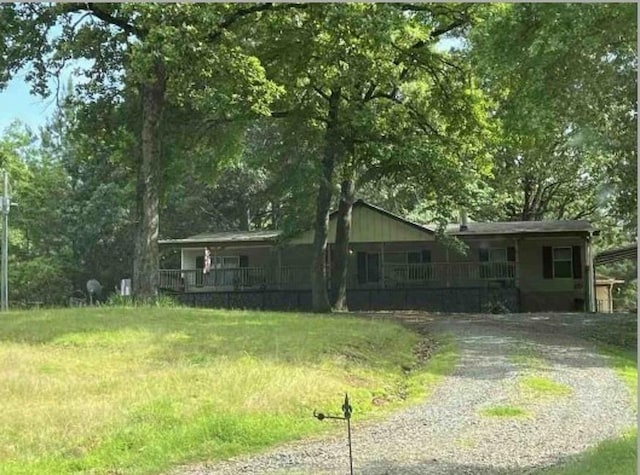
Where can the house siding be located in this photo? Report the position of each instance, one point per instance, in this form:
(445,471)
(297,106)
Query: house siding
(556,294)
(448,281)
(371,226)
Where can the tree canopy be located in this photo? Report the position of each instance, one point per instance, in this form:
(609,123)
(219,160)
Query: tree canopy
(204,117)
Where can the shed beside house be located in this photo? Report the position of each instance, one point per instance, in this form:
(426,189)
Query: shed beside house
(604,293)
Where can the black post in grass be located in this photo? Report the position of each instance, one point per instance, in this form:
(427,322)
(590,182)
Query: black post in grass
(346,411)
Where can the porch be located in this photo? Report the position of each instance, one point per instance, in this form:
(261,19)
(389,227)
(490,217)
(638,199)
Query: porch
(380,276)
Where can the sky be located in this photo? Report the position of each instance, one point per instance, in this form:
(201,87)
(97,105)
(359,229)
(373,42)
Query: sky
(17,103)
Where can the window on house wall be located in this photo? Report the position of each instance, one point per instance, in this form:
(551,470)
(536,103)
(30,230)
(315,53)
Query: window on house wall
(368,267)
(493,262)
(223,265)
(562,263)
(225,262)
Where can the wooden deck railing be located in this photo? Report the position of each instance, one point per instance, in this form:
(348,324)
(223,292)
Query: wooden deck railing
(297,277)
(449,272)
(233,278)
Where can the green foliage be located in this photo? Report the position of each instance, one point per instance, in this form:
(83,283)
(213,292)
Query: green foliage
(527,117)
(562,75)
(141,390)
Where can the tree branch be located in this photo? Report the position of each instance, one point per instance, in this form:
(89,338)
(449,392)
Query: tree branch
(322,94)
(112,20)
(243,12)
(369,94)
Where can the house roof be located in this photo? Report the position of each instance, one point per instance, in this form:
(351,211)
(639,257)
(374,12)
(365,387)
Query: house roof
(521,227)
(618,254)
(473,229)
(244,237)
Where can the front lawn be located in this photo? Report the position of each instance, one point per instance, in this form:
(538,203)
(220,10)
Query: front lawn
(138,390)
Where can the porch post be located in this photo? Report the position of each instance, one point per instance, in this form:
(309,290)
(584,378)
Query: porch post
(328,261)
(447,267)
(382,262)
(517,264)
(278,276)
(590,271)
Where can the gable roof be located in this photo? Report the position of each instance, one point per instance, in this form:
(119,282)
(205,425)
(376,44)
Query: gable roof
(473,229)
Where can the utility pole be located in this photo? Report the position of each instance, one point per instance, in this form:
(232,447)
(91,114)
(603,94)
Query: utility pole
(6,205)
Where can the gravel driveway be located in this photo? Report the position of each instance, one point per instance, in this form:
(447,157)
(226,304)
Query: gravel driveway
(447,434)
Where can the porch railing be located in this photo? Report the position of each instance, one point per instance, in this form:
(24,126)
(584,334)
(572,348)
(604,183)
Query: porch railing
(441,273)
(233,278)
(448,272)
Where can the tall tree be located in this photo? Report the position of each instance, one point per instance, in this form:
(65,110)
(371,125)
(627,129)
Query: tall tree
(166,54)
(370,77)
(564,78)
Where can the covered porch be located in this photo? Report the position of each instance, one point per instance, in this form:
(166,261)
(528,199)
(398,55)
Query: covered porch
(437,274)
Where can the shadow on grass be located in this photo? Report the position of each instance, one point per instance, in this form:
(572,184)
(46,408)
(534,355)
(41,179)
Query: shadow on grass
(197,335)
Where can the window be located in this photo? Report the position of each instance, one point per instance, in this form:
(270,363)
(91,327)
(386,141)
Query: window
(562,263)
(493,263)
(225,262)
(368,267)
(419,257)
(407,266)
(222,272)
(498,255)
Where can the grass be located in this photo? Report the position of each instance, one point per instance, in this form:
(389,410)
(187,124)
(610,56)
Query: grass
(617,456)
(139,390)
(542,387)
(504,411)
(612,457)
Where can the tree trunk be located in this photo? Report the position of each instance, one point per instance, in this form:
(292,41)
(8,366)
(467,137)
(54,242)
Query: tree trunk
(245,218)
(341,255)
(319,296)
(146,258)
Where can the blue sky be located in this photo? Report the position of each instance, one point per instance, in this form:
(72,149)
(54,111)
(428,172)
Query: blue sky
(16,102)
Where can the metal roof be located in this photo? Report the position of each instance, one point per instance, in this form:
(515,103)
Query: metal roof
(618,254)
(521,227)
(473,229)
(225,237)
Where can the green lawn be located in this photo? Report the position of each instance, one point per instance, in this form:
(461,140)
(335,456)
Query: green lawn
(137,390)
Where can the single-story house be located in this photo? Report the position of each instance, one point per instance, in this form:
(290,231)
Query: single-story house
(395,263)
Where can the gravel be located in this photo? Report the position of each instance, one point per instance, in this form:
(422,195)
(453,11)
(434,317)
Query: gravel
(447,434)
